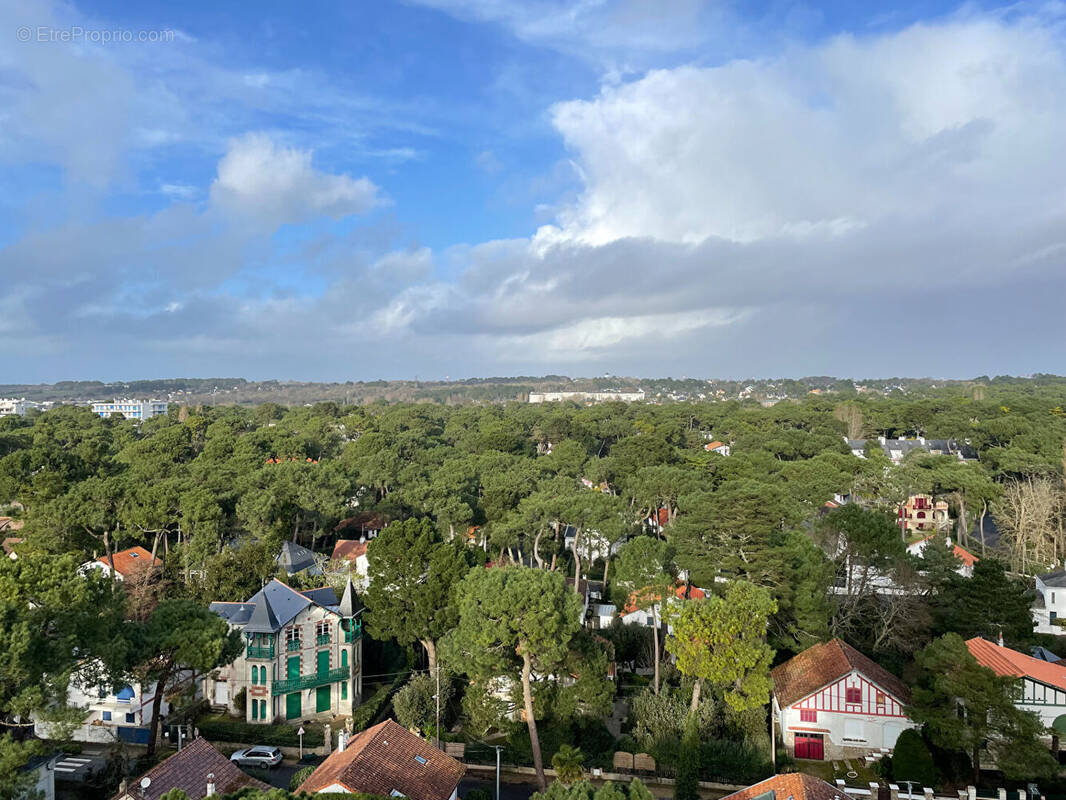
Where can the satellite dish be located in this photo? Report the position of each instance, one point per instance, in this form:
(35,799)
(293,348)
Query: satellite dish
(146,782)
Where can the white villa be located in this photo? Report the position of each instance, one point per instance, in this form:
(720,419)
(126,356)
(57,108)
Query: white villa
(832,702)
(1050,604)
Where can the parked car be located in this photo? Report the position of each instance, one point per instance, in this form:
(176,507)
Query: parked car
(257,757)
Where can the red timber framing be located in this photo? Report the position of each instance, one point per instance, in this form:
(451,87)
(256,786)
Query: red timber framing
(874,701)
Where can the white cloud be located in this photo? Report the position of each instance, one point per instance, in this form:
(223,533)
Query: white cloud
(273,184)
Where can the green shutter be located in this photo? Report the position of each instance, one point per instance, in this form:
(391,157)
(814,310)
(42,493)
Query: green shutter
(293,668)
(344,658)
(323,662)
(292,706)
(322,699)
(344,690)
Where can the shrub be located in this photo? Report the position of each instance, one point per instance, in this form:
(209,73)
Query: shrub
(478,794)
(416,705)
(221,730)
(299,777)
(912,760)
(688,767)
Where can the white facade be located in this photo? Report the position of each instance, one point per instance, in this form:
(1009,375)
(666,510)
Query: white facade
(1051,605)
(10,407)
(131,409)
(587,397)
(107,712)
(849,717)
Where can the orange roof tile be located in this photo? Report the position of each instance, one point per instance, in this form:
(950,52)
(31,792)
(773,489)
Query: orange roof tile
(1006,662)
(348,549)
(9,544)
(965,556)
(385,759)
(713,445)
(793,786)
(131,560)
(820,665)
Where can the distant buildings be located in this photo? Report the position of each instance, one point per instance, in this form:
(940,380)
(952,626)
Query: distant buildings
(920,514)
(898,449)
(587,397)
(11,407)
(128,564)
(131,409)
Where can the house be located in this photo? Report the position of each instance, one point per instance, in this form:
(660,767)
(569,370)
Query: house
(129,564)
(44,768)
(1050,603)
(9,547)
(833,702)
(302,657)
(717,447)
(1043,683)
(352,554)
(387,760)
(965,557)
(111,716)
(131,409)
(790,786)
(920,514)
(594,546)
(295,558)
(601,615)
(639,611)
(10,524)
(898,449)
(365,525)
(198,769)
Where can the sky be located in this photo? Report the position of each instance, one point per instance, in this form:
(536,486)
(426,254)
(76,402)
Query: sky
(457,188)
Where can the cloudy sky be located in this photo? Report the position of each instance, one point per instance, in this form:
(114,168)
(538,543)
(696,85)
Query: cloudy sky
(355,190)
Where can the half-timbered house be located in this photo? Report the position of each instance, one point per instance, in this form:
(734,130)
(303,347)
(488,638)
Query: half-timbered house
(1042,684)
(831,701)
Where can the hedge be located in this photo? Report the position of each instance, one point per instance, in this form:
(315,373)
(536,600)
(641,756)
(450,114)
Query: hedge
(223,730)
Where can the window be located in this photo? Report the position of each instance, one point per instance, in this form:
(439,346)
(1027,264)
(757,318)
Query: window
(344,690)
(881,701)
(853,694)
(255,675)
(131,718)
(1053,598)
(106,716)
(344,658)
(808,715)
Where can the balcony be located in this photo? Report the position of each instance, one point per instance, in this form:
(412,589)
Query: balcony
(310,681)
(260,651)
(356,633)
(292,645)
(322,638)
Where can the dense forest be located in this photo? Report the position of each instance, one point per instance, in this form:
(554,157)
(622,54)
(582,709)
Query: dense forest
(215,490)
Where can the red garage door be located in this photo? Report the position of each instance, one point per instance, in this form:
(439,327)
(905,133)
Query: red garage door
(809,745)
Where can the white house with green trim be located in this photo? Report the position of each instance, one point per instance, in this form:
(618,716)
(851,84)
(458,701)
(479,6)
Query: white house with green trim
(302,657)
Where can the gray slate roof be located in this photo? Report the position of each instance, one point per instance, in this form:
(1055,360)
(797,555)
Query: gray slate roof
(297,558)
(350,603)
(1056,579)
(273,607)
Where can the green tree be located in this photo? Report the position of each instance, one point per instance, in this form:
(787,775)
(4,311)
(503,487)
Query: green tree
(14,783)
(413,577)
(987,604)
(416,703)
(568,763)
(515,621)
(687,785)
(645,576)
(722,640)
(912,761)
(179,636)
(968,708)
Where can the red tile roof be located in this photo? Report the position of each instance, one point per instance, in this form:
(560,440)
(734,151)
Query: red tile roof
(348,549)
(388,758)
(132,560)
(713,445)
(1007,662)
(9,544)
(646,597)
(791,786)
(187,770)
(11,524)
(818,666)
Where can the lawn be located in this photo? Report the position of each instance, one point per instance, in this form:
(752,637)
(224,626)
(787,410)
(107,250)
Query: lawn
(824,770)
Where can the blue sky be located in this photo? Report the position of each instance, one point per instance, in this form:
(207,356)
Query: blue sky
(355,190)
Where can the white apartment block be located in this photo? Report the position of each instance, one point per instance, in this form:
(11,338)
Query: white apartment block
(131,409)
(9,406)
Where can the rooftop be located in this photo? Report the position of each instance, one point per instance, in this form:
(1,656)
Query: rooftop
(188,770)
(388,759)
(820,665)
(790,786)
(1006,662)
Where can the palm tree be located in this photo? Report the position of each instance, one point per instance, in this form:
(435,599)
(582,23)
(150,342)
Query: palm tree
(567,763)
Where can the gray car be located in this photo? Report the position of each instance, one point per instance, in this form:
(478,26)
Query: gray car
(265,757)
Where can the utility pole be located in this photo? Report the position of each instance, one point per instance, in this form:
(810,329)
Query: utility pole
(438,705)
(498,748)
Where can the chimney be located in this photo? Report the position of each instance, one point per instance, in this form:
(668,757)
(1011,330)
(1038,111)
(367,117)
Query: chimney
(342,741)
(210,784)
(999,641)
(948,540)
